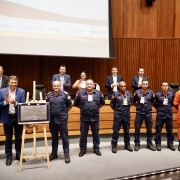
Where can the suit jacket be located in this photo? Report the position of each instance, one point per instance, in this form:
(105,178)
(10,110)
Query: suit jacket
(4,81)
(135,81)
(20,98)
(67,80)
(109,81)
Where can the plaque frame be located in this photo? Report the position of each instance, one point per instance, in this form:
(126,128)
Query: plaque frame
(45,119)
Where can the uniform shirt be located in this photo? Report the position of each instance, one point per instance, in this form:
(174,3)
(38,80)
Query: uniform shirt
(89,109)
(120,109)
(58,106)
(164,111)
(148,100)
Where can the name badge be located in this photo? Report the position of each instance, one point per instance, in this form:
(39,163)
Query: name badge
(125,102)
(142,100)
(165,102)
(83,85)
(90,97)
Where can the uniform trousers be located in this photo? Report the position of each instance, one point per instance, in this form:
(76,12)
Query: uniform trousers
(84,128)
(138,123)
(8,131)
(116,128)
(169,127)
(55,129)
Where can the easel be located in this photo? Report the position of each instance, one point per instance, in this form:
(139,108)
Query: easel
(34,136)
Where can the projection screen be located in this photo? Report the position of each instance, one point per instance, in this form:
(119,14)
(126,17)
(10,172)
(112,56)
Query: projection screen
(75,28)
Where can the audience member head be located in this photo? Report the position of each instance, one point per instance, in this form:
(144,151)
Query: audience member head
(140,71)
(62,70)
(114,71)
(83,75)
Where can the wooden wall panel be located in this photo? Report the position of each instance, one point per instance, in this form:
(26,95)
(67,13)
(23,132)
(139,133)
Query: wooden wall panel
(117,23)
(177,19)
(133,19)
(147,23)
(159,57)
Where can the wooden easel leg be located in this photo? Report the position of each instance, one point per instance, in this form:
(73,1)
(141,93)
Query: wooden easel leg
(34,139)
(22,148)
(46,145)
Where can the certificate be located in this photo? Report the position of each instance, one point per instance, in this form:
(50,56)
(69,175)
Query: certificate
(29,113)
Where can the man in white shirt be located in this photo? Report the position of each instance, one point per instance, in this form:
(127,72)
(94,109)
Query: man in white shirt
(112,82)
(136,81)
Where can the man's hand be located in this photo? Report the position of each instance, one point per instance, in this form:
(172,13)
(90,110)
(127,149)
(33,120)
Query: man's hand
(7,98)
(114,84)
(12,101)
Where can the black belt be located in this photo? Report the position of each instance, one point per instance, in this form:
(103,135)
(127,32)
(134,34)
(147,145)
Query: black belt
(12,114)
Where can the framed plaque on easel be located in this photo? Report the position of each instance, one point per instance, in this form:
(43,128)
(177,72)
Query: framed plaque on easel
(33,113)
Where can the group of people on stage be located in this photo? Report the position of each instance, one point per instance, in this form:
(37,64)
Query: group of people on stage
(90,100)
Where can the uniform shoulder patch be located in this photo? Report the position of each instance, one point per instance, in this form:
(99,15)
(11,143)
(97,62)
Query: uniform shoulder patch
(48,93)
(65,92)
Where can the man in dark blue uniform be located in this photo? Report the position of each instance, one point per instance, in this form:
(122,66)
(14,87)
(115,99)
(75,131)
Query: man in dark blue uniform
(144,98)
(163,103)
(120,103)
(89,101)
(60,104)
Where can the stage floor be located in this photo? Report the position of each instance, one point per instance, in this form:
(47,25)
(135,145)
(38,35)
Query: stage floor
(91,166)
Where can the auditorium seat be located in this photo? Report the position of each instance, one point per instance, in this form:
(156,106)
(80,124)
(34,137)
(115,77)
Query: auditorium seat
(174,87)
(40,88)
(96,86)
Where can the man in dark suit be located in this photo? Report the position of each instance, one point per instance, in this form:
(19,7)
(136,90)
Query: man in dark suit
(65,79)
(136,81)
(3,78)
(9,98)
(112,82)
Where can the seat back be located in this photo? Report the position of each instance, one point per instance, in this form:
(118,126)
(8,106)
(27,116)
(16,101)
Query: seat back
(174,87)
(96,86)
(40,88)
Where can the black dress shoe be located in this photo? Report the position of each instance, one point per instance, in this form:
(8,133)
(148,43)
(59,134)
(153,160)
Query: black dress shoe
(129,148)
(8,161)
(18,158)
(171,147)
(178,147)
(81,153)
(158,147)
(97,152)
(53,156)
(136,148)
(151,147)
(114,149)
(67,158)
